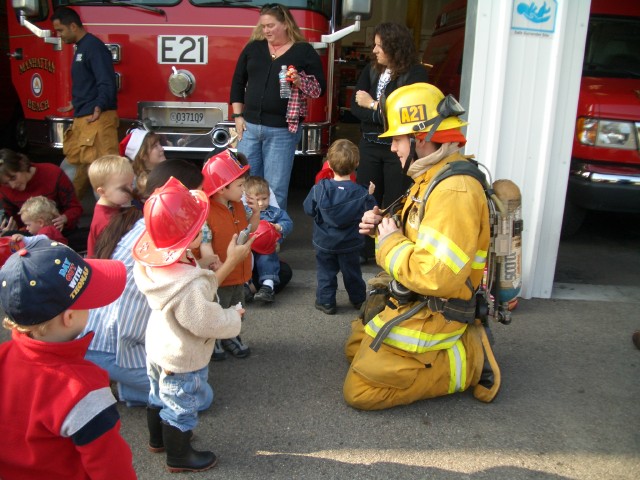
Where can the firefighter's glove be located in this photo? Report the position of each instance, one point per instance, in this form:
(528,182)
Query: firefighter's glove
(377,296)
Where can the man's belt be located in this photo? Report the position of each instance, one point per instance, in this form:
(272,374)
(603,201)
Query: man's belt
(456,309)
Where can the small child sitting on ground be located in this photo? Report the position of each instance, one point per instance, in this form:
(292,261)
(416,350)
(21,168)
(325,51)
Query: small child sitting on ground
(37,214)
(337,205)
(111,177)
(265,251)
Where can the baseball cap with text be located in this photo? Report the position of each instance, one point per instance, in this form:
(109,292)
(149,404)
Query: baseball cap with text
(41,281)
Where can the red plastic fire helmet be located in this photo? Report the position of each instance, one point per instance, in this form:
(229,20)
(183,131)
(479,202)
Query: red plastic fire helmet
(220,170)
(7,248)
(173,216)
(266,238)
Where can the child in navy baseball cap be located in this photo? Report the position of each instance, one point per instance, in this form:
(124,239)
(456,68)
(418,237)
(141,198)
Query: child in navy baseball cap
(59,415)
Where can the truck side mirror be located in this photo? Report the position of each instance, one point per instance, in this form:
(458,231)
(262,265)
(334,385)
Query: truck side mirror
(353,8)
(30,8)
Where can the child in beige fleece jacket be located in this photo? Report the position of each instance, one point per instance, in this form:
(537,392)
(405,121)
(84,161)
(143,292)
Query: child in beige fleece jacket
(185,319)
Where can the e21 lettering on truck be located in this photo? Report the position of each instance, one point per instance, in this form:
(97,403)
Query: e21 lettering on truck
(174,60)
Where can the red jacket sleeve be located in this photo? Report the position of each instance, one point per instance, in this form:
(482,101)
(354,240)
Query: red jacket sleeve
(108,457)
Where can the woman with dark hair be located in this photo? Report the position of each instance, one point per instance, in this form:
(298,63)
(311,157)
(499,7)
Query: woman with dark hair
(267,125)
(395,65)
(20,180)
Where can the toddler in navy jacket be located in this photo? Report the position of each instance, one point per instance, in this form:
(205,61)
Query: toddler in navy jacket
(337,205)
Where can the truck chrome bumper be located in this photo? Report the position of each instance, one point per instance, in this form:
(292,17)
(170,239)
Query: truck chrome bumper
(604,188)
(315,140)
(315,137)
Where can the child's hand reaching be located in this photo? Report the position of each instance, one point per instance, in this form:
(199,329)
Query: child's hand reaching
(17,242)
(236,253)
(216,263)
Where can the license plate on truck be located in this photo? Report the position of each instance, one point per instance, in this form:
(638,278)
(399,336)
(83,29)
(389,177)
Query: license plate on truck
(186,118)
(201,115)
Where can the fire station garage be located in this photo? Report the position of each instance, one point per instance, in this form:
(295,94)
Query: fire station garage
(519,74)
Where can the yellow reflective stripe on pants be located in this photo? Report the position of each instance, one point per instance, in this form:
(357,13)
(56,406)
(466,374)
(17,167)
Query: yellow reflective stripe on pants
(396,256)
(414,341)
(457,367)
(442,248)
(479,260)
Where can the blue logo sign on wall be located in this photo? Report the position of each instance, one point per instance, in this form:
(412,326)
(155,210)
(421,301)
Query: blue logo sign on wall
(534,16)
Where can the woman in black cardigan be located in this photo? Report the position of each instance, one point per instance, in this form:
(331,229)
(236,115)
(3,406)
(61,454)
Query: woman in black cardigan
(269,127)
(395,65)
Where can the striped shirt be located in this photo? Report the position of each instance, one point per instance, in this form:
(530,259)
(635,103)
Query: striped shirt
(120,326)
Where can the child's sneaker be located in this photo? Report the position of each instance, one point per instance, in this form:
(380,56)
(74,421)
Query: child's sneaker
(326,308)
(236,347)
(218,352)
(265,294)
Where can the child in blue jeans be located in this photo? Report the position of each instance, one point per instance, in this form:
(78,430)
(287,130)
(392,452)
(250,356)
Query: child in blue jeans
(185,318)
(275,225)
(337,205)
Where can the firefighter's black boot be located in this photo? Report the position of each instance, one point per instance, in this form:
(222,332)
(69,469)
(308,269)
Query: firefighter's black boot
(181,456)
(154,424)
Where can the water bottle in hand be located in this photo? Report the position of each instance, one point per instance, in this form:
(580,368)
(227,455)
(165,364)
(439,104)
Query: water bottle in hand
(285,86)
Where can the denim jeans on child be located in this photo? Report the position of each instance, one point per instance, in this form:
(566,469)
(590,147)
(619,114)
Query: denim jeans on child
(268,267)
(133,383)
(328,265)
(180,395)
(270,151)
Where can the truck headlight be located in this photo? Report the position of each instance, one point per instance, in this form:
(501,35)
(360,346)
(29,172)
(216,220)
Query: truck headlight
(606,133)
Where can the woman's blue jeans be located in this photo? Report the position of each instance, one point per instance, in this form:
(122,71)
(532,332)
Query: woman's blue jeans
(133,383)
(180,395)
(270,151)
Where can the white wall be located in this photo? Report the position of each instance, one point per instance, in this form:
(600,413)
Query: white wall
(522,91)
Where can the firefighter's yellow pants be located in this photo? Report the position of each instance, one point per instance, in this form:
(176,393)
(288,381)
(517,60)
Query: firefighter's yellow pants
(391,377)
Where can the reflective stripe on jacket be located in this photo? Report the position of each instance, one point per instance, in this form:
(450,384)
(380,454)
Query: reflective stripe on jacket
(434,256)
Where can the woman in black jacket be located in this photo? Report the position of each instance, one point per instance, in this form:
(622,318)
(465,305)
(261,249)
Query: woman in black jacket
(270,127)
(395,65)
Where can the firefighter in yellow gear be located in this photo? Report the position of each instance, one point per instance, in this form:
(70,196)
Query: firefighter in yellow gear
(426,341)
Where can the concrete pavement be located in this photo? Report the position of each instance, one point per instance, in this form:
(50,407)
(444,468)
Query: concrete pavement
(568,407)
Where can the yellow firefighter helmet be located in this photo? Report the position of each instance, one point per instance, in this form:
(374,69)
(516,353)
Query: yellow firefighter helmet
(420,107)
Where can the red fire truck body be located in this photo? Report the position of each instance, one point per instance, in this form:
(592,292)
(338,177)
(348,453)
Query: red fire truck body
(174,60)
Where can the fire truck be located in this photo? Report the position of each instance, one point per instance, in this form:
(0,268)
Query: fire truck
(174,60)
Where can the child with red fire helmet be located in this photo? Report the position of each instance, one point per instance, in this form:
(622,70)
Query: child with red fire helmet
(185,318)
(275,224)
(224,178)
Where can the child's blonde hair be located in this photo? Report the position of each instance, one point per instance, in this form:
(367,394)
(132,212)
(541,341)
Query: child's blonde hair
(39,208)
(40,329)
(102,169)
(343,157)
(256,186)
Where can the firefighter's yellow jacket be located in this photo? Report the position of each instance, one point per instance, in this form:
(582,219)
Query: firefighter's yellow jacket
(440,253)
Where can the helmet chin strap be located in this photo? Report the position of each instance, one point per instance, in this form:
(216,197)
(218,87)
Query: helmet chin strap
(412,155)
